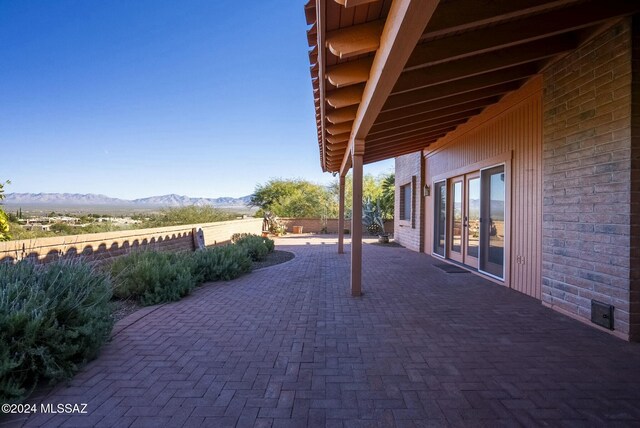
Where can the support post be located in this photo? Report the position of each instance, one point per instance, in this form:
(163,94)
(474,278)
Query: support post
(356,220)
(341,216)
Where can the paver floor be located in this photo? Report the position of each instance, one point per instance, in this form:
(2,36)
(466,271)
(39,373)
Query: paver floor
(287,346)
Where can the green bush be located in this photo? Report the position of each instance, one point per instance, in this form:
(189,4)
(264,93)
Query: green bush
(53,319)
(238,236)
(271,245)
(256,246)
(152,277)
(221,263)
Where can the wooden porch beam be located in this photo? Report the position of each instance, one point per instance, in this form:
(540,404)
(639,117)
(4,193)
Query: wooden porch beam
(460,86)
(419,126)
(400,151)
(353,3)
(340,128)
(337,147)
(404,26)
(349,73)
(456,16)
(346,96)
(447,101)
(344,114)
(336,139)
(491,38)
(408,133)
(480,64)
(355,40)
(440,113)
(375,145)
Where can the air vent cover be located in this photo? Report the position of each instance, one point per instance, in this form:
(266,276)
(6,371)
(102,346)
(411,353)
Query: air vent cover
(602,314)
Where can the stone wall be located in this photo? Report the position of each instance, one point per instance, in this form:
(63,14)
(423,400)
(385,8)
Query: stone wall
(408,232)
(316,225)
(103,246)
(588,153)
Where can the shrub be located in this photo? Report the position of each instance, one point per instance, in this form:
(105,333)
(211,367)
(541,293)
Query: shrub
(221,263)
(152,277)
(256,246)
(53,319)
(238,236)
(271,245)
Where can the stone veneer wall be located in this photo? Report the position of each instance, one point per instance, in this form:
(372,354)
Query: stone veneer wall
(408,232)
(588,245)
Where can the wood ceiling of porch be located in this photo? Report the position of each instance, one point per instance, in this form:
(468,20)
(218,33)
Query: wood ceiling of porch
(471,53)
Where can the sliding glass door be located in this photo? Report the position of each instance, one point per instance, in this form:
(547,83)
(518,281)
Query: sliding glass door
(469,220)
(492,221)
(472,220)
(440,218)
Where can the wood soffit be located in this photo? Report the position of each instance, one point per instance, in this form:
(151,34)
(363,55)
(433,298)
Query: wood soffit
(471,54)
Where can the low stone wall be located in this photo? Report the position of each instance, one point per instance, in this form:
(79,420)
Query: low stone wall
(102,246)
(315,225)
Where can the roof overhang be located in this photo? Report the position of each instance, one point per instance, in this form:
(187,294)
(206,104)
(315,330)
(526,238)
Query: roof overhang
(392,77)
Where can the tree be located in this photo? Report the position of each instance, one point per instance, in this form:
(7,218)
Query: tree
(388,196)
(4,220)
(373,189)
(294,198)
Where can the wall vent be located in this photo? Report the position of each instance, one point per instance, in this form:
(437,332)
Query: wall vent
(602,314)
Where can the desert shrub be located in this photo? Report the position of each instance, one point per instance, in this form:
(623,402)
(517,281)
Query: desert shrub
(152,277)
(271,245)
(221,263)
(255,245)
(238,236)
(53,319)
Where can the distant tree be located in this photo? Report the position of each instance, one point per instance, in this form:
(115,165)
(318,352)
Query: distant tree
(4,219)
(187,215)
(372,189)
(388,196)
(294,198)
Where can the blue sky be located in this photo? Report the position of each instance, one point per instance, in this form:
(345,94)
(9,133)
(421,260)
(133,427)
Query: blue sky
(138,98)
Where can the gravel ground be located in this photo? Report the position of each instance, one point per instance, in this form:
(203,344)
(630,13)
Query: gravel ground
(274,258)
(123,308)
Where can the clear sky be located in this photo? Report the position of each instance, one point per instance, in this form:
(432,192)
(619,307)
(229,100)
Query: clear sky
(137,98)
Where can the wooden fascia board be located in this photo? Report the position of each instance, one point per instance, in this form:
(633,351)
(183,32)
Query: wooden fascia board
(403,28)
(320,25)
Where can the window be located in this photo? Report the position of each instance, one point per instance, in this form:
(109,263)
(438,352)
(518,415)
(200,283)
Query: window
(405,202)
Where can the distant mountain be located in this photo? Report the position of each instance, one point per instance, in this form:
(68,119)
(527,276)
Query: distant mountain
(71,199)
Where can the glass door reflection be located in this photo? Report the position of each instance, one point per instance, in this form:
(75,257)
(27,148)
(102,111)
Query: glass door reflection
(472,220)
(492,223)
(456,210)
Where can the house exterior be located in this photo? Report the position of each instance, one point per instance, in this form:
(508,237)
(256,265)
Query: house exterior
(563,146)
(515,130)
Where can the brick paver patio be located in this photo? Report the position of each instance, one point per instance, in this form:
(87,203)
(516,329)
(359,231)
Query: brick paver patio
(288,346)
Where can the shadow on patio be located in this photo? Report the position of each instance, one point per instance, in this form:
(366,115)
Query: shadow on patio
(288,346)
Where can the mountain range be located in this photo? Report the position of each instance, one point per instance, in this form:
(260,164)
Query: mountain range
(71,199)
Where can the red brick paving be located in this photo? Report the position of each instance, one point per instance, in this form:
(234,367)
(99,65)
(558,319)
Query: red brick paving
(287,346)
